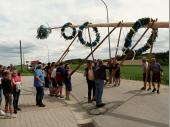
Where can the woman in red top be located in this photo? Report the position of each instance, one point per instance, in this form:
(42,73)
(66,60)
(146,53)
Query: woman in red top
(16,84)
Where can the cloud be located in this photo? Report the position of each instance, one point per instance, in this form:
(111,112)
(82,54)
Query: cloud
(20,19)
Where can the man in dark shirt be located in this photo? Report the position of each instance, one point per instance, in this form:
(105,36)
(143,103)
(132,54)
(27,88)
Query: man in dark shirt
(157,74)
(100,76)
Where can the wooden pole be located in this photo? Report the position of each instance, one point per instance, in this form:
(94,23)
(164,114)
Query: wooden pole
(94,49)
(161,24)
(21,55)
(90,43)
(64,56)
(67,49)
(134,47)
(118,40)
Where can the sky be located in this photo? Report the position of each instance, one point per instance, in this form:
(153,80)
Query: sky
(20,19)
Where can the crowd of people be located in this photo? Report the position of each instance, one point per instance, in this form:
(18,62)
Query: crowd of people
(52,76)
(55,75)
(10,84)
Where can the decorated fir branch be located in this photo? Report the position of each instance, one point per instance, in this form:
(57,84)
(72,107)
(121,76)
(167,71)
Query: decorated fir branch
(81,39)
(63,31)
(43,32)
(140,23)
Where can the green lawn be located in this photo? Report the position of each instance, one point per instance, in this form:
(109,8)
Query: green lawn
(25,71)
(133,72)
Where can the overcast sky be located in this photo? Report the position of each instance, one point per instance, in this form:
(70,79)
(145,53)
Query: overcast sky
(19,20)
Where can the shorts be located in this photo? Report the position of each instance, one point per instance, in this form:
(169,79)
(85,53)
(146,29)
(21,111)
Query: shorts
(148,78)
(54,83)
(68,86)
(117,75)
(60,83)
(8,99)
(156,77)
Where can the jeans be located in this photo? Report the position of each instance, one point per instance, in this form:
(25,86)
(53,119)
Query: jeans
(99,91)
(91,86)
(39,95)
(16,95)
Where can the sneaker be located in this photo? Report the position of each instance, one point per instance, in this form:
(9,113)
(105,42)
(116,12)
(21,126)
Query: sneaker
(158,92)
(41,105)
(153,90)
(148,89)
(57,95)
(67,98)
(19,109)
(12,116)
(100,105)
(2,113)
(61,96)
(143,88)
(6,116)
(15,111)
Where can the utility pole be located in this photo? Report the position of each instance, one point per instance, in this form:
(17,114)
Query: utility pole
(21,56)
(107,14)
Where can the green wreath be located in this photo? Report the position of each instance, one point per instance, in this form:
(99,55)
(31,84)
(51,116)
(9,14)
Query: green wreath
(43,32)
(63,31)
(86,43)
(140,23)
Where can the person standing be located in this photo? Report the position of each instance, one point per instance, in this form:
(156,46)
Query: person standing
(1,71)
(116,72)
(67,81)
(47,75)
(39,85)
(157,74)
(16,84)
(146,72)
(100,76)
(7,91)
(89,74)
(59,78)
(54,90)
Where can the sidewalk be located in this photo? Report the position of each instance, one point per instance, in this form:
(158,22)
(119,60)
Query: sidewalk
(57,113)
(126,106)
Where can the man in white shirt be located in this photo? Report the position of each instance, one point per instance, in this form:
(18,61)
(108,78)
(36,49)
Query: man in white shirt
(146,74)
(54,82)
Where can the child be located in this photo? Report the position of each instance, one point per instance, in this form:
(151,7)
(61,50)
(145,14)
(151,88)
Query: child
(67,81)
(7,91)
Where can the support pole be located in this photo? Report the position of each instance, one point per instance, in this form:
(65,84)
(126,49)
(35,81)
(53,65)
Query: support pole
(67,49)
(118,39)
(94,49)
(90,43)
(21,55)
(64,55)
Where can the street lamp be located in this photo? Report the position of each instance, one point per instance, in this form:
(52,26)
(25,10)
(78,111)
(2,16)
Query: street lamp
(108,27)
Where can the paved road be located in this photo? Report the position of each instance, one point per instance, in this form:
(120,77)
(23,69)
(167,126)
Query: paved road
(126,106)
